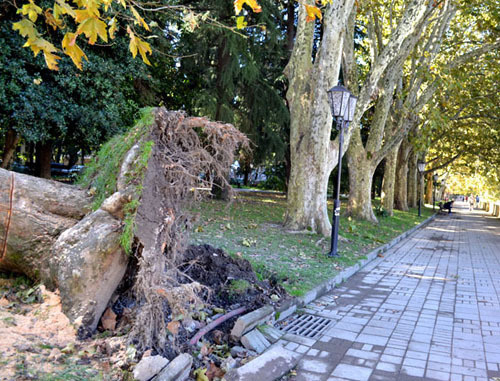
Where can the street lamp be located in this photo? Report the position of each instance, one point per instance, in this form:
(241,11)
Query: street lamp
(435,178)
(421,169)
(343,105)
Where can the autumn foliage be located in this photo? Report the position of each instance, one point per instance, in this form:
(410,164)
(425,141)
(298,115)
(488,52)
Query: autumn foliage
(92,21)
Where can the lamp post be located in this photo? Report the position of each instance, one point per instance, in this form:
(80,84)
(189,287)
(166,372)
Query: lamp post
(421,169)
(435,178)
(342,104)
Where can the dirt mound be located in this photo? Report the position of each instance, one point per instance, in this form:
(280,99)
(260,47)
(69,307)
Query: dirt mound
(232,280)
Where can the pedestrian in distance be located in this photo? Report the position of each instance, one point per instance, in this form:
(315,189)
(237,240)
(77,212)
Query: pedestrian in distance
(471,202)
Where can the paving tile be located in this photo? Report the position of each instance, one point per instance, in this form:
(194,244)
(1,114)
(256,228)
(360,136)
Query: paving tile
(352,372)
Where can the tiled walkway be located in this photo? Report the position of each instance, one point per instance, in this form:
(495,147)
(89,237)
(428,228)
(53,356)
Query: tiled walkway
(429,309)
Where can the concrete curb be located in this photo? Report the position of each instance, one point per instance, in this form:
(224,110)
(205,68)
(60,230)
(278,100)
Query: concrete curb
(292,305)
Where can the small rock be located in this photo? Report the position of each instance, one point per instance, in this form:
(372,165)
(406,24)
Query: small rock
(149,367)
(275,297)
(239,352)
(228,363)
(178,369)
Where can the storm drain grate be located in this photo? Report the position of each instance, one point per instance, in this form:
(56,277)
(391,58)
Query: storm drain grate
(306,325)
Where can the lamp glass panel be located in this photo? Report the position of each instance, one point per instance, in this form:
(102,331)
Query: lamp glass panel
(352,108)
(421,166)
(335,98)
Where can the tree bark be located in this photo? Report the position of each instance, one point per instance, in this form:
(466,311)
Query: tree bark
(401,191)
(40,211)
(313,156)
(11,141)
(360,196)
(412,180)
(388,183)
(43,159)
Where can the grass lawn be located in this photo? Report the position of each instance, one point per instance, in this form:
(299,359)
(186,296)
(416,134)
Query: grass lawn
(251,228)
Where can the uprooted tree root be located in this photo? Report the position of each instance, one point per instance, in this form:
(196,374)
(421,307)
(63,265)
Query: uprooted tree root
(189,155)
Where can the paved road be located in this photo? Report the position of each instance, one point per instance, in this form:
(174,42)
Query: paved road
(429,309)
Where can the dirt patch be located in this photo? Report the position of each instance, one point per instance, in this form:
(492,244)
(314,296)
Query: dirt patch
(232,281)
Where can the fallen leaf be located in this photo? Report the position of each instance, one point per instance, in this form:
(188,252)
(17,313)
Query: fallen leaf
(218,336)
(108,320)
(214,372)
(200,374)
(380,255)
(173,327)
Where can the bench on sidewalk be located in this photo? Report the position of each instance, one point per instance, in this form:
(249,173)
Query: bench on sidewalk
(445,206)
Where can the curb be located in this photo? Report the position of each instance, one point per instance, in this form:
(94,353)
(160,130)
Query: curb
(289,307)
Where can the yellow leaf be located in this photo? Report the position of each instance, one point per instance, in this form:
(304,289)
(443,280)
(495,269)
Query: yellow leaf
(61,7)
(93,27)
(200,374)
(26,28)
(240,22)
(139,19)
(30,9)
(312,13)
(107,4)
(238,5)
(325,2)
(39,44)
(82,15)
(51,20)
(73,50)
(113,26)
(138,45)
(92,6)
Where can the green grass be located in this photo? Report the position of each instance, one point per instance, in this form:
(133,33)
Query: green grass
(251,228)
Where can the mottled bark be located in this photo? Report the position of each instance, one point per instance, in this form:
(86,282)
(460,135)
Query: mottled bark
(412,180)
(312,154)
(428,188)
(41,210)
(401,189)
(389,180)
(11,141)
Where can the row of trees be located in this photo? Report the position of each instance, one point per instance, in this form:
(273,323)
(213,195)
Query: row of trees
(425,73)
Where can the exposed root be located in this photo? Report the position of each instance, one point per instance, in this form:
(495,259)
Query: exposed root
(189,154)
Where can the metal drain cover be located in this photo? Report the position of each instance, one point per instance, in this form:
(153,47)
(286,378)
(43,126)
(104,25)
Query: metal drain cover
(306,325)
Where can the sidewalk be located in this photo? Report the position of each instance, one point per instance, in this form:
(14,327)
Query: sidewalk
(429,309)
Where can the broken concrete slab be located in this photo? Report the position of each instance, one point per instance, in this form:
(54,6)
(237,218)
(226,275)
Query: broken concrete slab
(178,369)
(255,341)
(271,365)
(249,321)
(270,333)
(149,367)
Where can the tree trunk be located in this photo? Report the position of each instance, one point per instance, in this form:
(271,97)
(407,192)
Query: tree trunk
(360,202)
(428,188)
(11,141)
(43,159)
(40,211)
(388,184)
(401,190)
(412,180)
(313,156)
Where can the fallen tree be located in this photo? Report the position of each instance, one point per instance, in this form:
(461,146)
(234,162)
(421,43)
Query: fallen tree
(132,203)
